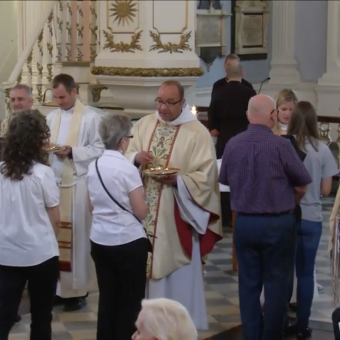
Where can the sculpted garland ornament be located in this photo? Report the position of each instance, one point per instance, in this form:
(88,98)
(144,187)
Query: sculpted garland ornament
(131,47)
(147,72)
(159,46)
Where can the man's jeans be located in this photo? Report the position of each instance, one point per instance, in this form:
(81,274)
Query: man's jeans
(265,246)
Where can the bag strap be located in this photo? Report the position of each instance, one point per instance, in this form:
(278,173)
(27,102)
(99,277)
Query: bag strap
(112,198)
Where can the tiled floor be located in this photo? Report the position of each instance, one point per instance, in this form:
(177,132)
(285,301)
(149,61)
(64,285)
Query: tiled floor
(221,295)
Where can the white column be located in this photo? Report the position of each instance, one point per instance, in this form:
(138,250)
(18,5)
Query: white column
(328,88)
(332,75)
(283,65)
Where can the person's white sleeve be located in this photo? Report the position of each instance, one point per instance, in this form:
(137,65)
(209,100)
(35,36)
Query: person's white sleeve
(132,179)
(50,189)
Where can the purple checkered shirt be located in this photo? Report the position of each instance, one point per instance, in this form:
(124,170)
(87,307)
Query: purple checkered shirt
(262,170)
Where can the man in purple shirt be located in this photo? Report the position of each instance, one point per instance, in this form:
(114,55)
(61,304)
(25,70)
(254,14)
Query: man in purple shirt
(266,179)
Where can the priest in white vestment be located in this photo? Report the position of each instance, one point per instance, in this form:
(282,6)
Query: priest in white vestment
(184,217)
(74,128)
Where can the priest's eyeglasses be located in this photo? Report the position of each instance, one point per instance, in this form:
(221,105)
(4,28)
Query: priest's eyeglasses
(167,103)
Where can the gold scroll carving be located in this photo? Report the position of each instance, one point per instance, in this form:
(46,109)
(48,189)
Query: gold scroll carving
(147,72)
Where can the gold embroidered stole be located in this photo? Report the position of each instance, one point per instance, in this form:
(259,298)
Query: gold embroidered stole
(160,146)
(67,184)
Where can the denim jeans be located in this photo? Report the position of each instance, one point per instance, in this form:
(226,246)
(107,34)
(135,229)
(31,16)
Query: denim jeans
(265,246)
(308,240)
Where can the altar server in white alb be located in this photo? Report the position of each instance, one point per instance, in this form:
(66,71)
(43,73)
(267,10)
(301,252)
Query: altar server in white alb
(74,127)
(184,210)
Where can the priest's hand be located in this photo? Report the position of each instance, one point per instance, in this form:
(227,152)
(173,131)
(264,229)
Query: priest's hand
(143,158)
(65,151)
(170,180)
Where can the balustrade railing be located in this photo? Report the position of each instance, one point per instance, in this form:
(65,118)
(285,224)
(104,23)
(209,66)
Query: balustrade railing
(67,32)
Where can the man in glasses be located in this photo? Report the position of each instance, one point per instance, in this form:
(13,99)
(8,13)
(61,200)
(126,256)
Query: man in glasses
(183,220)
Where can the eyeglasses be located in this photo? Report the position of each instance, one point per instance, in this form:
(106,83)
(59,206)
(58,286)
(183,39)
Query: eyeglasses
(167,103)
(129,136)
(275,112)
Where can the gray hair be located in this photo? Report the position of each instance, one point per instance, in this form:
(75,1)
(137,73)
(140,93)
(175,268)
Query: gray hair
(232,56)
(23,87)
(234,70)
(113,128)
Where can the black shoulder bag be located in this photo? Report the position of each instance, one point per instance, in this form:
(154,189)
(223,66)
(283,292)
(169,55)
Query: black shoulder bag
(121,207)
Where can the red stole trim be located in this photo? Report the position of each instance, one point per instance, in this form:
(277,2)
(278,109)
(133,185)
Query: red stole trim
(184,230)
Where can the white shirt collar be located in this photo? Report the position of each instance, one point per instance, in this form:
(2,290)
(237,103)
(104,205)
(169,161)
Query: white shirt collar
(114,153)
(185,117)
(283,127)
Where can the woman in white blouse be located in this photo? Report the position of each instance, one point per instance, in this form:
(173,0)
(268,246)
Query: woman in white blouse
(119,246)
(29,219)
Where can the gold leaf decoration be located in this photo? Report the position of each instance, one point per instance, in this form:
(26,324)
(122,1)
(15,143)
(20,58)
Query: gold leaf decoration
(170,47)
(147,72)
(123,11)
(122,46)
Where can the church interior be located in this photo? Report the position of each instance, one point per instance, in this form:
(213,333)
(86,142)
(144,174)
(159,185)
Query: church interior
(120,51)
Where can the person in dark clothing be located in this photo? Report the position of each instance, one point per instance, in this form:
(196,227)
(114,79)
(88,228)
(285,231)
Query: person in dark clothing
(230,59)
(227,117)
(227,112)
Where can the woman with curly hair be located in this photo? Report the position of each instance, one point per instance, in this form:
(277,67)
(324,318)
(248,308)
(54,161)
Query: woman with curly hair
(29,220)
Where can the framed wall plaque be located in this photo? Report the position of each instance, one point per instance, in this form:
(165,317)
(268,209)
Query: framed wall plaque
(211,40)
(249,29)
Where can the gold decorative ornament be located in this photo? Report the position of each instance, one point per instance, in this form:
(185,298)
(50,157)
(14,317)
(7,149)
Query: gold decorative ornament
(50,49)
(122,46)
(40,38)
(80,29)
(93,10)
(49,72)
(29,63)
(68,6)
(123,11)
(96,93)
(40,69)
(49,24)
(39,96)
(60,24)
(147,72)
(170,47)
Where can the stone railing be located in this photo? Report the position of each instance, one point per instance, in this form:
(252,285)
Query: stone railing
(67,32)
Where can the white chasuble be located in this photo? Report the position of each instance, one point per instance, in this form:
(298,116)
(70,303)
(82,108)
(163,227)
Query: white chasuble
(78,278)
(184,220)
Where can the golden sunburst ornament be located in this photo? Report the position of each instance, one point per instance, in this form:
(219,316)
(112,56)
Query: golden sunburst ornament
(123,11)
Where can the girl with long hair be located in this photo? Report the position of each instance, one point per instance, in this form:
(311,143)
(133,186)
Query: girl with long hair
(285,103)
(321,165)
(29,205)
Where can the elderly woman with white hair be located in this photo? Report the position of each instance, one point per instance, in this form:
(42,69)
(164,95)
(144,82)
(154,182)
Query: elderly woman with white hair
(164,319)
(119,246)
